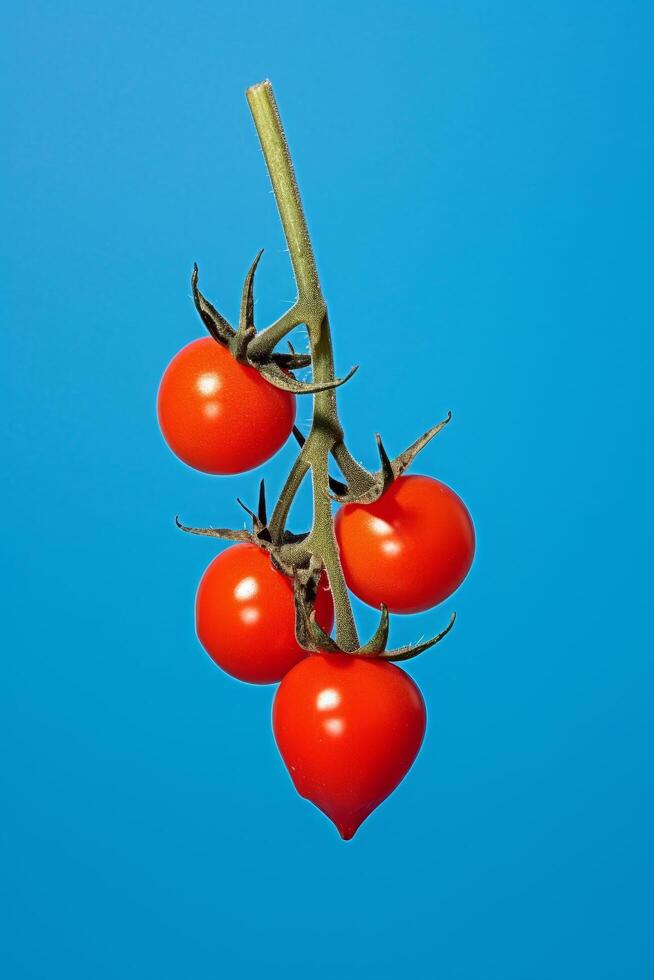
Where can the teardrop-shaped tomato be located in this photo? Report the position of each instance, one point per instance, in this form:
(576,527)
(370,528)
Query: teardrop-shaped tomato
(348,729)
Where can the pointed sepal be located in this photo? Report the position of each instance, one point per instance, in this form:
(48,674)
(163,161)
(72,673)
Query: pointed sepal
(260,518)
(408,652)
(404,460)
(313,638)
(262,511)
(279,379)
(386,471)
(224,533)
(215,322)
(246,330)
(377,642)
(292,362)
(390,468)
(319,639)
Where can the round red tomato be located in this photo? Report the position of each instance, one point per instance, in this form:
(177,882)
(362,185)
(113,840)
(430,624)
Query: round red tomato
(218,415)
(245,615)
(410,549)
(348,729)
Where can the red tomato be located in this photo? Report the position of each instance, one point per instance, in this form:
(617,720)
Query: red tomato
(410,549)
(348,729)
(245,615)
(218,415)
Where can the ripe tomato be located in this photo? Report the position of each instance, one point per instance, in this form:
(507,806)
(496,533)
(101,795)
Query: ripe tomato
(410,549)
(245,615)
(348,730)
(218,415)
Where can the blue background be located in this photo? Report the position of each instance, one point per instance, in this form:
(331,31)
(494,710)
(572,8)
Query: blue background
(478,181)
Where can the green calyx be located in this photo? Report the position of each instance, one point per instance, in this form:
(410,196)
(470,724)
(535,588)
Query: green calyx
(275,368)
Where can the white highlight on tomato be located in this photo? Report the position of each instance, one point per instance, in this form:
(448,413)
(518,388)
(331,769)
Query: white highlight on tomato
(246,589)
(380,527)
(327,699)
(250,614)
(208,383)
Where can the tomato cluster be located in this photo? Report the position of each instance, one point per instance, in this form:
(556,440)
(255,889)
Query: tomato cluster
(348,727)
(275,607)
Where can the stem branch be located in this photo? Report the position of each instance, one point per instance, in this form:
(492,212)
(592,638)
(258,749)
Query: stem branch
(294,479)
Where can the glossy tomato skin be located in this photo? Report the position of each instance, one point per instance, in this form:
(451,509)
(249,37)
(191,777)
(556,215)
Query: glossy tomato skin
(245,615)
(218,415)
(348,730)
(410,549)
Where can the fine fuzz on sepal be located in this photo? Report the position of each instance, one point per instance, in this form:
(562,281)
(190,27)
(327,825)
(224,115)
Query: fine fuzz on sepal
(291,362)
(259,535)
(320,640)
(215,322)
(246,330)
(390,468)
(224,533)
(275,368)
(260,530)
(274,374)
(407,652)
(312,637)
(377,642)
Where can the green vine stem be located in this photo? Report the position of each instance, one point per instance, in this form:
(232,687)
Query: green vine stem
(326,434)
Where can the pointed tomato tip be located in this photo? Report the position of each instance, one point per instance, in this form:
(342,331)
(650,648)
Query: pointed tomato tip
(347,830)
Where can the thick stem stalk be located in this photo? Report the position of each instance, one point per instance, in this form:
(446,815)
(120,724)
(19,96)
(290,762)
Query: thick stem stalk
(326,431)
(280,167)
